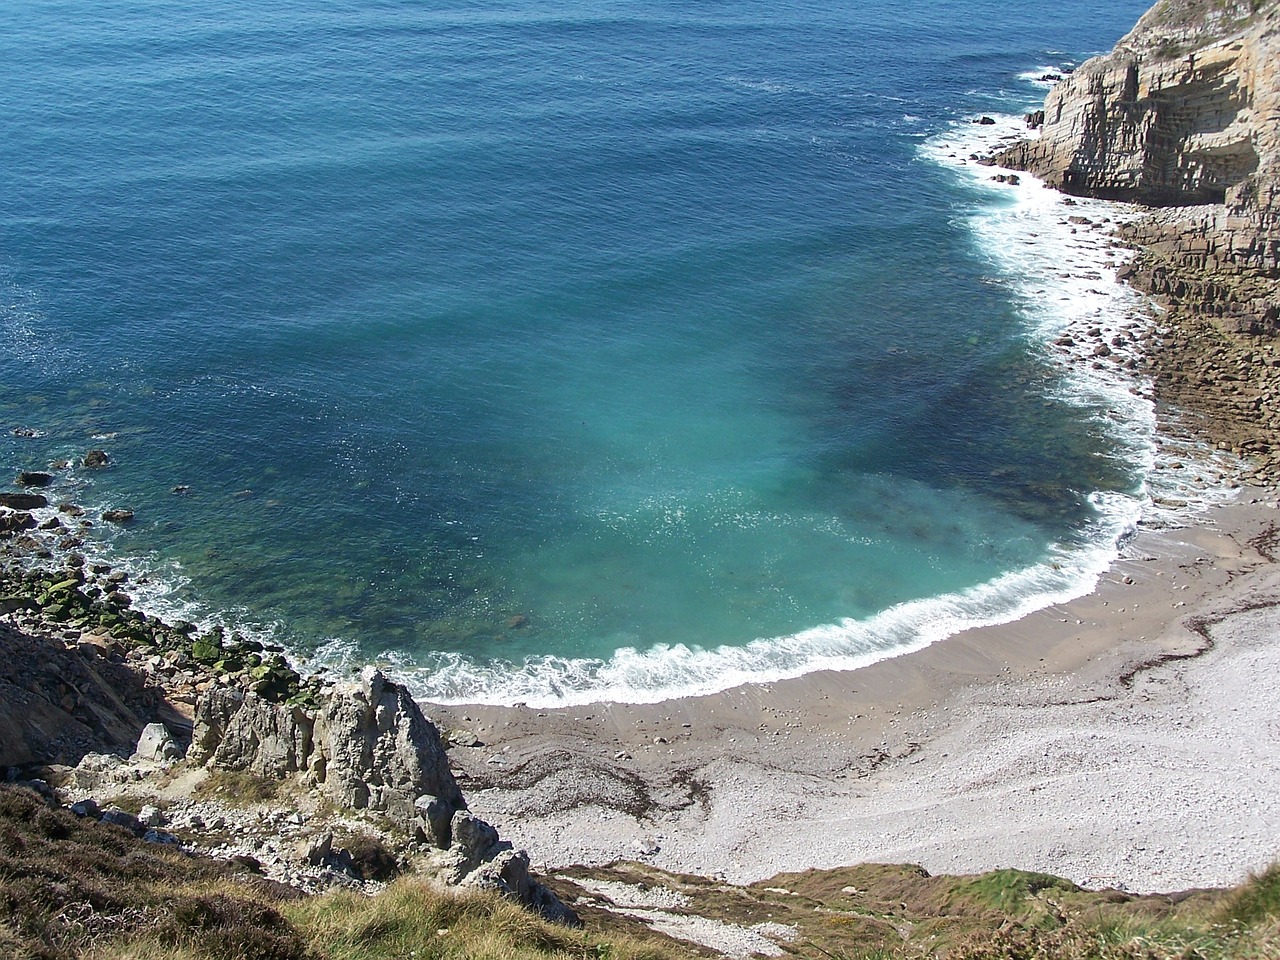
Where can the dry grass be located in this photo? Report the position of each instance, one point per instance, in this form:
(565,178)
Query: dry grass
(71,888)
(414,919)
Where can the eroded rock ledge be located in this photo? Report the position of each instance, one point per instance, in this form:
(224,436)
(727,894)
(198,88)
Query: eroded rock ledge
(1183,116)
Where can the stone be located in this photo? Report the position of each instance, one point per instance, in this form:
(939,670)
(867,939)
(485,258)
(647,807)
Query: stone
(157,744)
(378,749)
(34,478)
(508,874)
(435,821)
(119,515)
(464,738)
(367,746)
(473,838)
(315,851)
(86,808)
(23,501)
(95,459)
(122,818)
(15,521)
(151,816)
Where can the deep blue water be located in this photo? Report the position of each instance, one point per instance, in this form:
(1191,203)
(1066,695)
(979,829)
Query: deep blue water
(502,331)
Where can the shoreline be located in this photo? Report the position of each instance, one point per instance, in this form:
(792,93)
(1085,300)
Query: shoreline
(1059,742)
(1115,739)
(1012,745)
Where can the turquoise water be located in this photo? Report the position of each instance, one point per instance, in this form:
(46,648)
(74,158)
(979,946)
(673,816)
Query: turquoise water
(496,339)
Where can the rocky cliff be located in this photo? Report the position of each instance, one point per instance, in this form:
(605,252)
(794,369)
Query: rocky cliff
(1183,116)
(1184,113)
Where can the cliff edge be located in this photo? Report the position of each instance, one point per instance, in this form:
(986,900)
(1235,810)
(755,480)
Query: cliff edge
(1183,115)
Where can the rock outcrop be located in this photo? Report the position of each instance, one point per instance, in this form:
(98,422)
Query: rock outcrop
(57,705)
(1184,113)
(368,746)
(1183,116)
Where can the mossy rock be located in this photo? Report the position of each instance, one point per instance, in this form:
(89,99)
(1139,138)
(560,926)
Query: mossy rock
(206,650)
(58,612)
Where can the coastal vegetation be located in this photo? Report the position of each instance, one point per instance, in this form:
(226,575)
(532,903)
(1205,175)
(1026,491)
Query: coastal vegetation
(74,888)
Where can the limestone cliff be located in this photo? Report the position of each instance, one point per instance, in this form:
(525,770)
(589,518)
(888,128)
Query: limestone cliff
(1184,112)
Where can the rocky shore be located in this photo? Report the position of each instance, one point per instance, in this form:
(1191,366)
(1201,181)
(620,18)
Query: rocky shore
(1181,117)
(213,742)
(1065,742)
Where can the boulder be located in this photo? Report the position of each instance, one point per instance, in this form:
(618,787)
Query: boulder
(122,818)
(118,515)
(34,478)
(378,750)
(235,730)
(23,501)
(95,459)
(87,807)
(13,522)
(434,824)
(508,873)
(157,744)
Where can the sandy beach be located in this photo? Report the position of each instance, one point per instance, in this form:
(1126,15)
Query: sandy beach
(1124,739)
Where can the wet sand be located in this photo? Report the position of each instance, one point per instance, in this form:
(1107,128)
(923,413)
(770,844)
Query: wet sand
(1127,738)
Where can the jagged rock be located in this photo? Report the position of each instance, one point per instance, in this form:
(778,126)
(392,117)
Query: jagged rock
(236,730)
(13,522)
(96,458)
(474,841)
(379,750)
(119,515)
(157,744)
(507,873)
(368,745)
(435,818)
(315,851)
(23,501)
(1182,115)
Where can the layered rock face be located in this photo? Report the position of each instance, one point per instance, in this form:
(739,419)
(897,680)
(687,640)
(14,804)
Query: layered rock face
(1184,112)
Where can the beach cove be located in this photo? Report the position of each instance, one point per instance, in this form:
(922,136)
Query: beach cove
(1121,739)
(1093,705)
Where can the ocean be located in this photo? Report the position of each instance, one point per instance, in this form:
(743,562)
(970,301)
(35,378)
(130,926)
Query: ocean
(564,352)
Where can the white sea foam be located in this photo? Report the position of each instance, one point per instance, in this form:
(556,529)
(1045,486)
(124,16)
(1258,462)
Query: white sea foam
(1059,258)
(1043,77)
(676,670)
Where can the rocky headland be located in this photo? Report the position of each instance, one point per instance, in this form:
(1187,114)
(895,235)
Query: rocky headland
(1183,117)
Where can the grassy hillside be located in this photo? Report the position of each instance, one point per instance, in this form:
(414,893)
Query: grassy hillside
(72,888)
